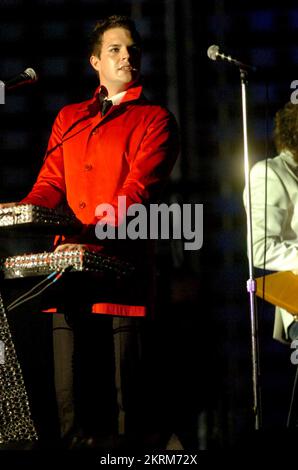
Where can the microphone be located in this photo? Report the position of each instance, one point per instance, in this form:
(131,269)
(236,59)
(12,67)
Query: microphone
(28,76)
(214,54)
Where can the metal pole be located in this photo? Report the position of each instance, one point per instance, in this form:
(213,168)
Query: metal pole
(251,283)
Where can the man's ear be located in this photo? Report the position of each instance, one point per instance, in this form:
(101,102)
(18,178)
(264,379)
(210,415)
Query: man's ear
(95,62)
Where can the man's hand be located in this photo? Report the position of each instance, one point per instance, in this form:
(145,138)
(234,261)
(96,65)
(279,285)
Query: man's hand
(3,205)
(72,247)
(78,246)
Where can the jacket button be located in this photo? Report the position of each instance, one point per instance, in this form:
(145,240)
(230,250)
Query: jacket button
(88,167)
(94,131)
(82,205)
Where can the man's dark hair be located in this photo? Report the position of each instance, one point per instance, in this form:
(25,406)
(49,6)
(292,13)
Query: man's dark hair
(115,21)
(286,129)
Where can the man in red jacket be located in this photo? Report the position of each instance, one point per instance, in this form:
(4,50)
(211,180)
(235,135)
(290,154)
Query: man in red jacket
(115,144)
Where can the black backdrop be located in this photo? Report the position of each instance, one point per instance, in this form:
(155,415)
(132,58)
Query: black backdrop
(203,301)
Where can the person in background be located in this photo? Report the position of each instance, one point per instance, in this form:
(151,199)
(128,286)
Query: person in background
(274,193)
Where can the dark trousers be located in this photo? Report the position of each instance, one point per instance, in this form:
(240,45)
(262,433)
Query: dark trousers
(103,373)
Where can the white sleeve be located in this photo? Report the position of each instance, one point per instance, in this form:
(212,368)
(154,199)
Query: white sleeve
(281,254)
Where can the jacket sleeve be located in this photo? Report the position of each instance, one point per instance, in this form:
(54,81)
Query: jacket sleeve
(281,254)
(49,188)
(151,166)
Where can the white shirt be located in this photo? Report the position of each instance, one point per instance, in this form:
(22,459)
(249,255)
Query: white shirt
(116,99)
(282,222)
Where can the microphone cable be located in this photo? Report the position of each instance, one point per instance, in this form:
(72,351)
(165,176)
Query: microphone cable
(96,104)
(266,191)
(26,296)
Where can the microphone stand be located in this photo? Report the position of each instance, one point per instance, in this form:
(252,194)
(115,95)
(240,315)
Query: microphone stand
(251,283)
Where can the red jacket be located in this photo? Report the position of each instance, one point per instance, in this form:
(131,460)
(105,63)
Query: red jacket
(92,160)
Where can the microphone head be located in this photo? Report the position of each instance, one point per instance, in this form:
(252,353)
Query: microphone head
(32,74)
(212,52)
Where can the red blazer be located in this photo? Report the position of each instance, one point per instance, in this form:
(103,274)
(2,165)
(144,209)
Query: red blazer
(92,160)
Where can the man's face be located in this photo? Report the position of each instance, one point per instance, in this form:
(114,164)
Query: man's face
(119,62)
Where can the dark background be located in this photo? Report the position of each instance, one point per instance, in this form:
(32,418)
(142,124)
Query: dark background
(204,307)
